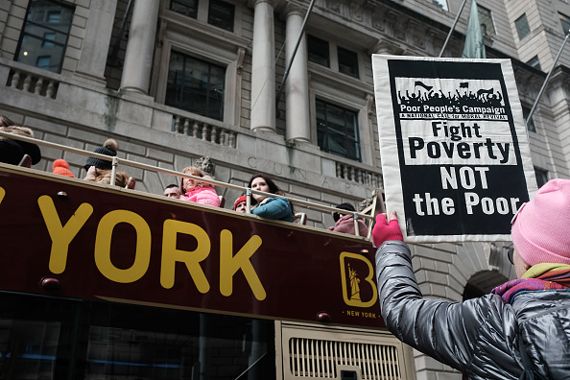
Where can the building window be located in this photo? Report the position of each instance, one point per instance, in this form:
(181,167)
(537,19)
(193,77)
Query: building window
(441,3)
(186,7)
(318,51)
(337,130)
(486,20)
(44,34)
(541,176)
(526,111)
(49,38)
(565,21)
(43,62)
(221,14)
(521,24)
(196,86)
(534,62)
(54,17)
(347,62)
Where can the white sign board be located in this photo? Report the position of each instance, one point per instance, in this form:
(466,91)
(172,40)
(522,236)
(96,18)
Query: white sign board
(455,154)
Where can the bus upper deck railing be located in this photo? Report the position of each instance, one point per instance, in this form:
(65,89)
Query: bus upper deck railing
(368,216)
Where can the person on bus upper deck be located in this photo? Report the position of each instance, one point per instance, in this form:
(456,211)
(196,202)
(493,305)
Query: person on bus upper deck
(61,167)
(172,191)
(16,152)
(345,222)
(269,207)
(240,204)
(519,331)
(122,179)
(109,148)
(197,191)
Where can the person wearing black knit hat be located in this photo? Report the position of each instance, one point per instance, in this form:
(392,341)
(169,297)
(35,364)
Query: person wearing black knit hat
(109,148)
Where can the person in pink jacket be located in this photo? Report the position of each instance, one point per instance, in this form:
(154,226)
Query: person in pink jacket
(197,191)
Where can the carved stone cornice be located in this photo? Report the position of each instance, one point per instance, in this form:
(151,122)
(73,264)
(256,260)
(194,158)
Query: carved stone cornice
(385,46)
(528,81)
(273,3)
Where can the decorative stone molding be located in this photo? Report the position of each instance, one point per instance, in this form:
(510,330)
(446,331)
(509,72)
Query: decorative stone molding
(385,46)
(358,175)
(204,131)
(33,83)
(205,164)
(240,60)
(370,105)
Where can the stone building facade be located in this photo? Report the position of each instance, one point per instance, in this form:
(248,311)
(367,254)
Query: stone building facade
(176,80)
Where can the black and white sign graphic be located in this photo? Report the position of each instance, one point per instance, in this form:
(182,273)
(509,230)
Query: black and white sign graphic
(455,156)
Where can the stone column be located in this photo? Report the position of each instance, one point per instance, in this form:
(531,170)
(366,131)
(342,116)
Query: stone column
(297,85)
(140,47)
(263,68)
(95,46)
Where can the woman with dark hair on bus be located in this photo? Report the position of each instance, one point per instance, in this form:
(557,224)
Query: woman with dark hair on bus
(269,207)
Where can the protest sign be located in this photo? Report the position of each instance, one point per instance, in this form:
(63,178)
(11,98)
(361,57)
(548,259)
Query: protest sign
(455,155)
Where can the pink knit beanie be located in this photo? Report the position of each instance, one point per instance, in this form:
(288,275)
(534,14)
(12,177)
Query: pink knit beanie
(541,230)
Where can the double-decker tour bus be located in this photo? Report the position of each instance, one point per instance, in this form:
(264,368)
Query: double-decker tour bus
(101,282)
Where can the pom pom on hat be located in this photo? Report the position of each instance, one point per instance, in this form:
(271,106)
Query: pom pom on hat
(540,230)
(61,167)
(240,199)
(110,147)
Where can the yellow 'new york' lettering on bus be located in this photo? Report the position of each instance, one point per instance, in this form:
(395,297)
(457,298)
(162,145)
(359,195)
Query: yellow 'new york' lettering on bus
(171,255)
(103,246)
(351,280)
(230,264)
(61,235)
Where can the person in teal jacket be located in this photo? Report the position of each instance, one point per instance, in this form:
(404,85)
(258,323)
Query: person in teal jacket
(269,207)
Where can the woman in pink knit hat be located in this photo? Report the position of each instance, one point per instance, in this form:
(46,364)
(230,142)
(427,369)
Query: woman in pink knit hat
(519,331)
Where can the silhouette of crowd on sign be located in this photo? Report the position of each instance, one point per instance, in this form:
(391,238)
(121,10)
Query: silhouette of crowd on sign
(427,95)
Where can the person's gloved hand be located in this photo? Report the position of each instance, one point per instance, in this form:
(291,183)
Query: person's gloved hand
(385,230)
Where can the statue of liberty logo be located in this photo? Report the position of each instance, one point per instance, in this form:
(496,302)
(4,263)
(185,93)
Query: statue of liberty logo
(354,284)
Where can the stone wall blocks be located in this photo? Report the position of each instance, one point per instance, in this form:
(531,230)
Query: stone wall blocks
(133,113)
(80,22)
(75,43)
(140,159)
(152,183)
(83,3)
(427,264)
(161,121)
(437,290)
(304,192)
(331,199)
(160,155)
(58,139)
(437,278)
(82,11)
(11,33)
(69,64)
(46,126)
(133,148)
(9,45)
(240,177)
(90,137)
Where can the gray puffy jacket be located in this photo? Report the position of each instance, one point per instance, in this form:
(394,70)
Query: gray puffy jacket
(481,336)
